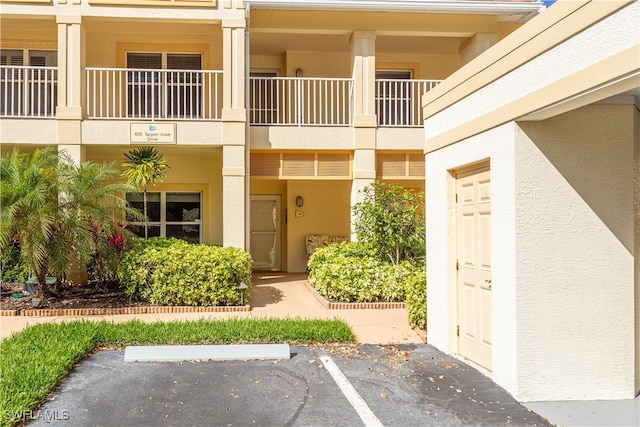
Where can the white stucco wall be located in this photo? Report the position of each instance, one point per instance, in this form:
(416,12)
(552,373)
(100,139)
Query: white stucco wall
(575,255)
(607,37)
(497,145)
(562,249)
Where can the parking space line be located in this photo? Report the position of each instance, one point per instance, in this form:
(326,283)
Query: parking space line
(350,393)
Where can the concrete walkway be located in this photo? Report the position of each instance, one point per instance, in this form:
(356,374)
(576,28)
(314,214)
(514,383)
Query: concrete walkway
(274,295)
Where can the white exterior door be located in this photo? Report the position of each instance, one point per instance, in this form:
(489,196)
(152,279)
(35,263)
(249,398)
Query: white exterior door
(265,232)
(474,265)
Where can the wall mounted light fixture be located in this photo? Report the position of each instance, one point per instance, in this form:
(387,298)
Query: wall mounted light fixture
(299,201)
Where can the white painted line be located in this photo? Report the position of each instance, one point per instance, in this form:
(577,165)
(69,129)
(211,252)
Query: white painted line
(350,393)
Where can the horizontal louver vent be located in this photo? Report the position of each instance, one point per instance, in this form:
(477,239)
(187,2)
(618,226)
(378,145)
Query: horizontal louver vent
(298,165)
(265,165)
(333,164)
(391,165)
(398,166)
(301,165)
(416,165)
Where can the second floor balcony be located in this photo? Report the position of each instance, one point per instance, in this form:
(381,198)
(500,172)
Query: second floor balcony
(149,94)
(192,95)
(27,91)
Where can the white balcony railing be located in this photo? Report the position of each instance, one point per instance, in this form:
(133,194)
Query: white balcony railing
(398,101)
(119,93)
(28,91)
(300,101)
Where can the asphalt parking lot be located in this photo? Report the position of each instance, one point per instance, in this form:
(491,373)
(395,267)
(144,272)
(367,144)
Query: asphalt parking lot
(404,385)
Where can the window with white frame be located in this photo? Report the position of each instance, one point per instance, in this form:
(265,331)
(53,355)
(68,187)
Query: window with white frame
(170,213)
(164,85)
(28,82)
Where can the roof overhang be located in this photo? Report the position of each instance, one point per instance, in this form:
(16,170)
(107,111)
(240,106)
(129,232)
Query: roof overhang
(613,71)
(511,10)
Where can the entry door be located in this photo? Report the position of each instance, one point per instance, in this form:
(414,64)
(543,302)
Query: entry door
(265,232)
(474,265)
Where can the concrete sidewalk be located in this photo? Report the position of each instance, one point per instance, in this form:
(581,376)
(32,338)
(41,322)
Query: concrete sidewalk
(274,295)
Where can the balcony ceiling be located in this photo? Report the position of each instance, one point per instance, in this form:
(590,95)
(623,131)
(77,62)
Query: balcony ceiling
(279,43)
(138,26)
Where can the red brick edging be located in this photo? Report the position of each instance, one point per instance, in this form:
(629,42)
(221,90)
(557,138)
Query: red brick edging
(43,312)
(330,305)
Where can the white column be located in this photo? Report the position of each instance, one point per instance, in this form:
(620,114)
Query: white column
(234,134)
(71,59)
(363,62)
(476,45)
(77,153)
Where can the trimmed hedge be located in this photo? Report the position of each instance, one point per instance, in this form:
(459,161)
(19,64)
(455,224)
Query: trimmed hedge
(351,272)
(416,302)
(174,272)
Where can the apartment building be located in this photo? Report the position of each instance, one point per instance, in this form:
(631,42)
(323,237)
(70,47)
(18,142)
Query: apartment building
(273,115)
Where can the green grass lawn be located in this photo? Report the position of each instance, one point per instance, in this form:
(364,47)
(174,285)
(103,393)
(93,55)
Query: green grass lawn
(33,361)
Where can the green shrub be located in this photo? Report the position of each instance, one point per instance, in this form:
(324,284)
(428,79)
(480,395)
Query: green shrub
(391,218)
(174,272)
(352,272)
(416,302)
(12,266)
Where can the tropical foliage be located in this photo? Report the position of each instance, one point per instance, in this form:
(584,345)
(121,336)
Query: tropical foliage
(391,219)
(58,212)
(144,166)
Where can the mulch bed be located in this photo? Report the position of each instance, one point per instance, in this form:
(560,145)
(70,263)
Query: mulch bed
(86,296)
(90,300)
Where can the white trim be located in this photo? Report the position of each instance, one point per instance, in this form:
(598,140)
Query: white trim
(452,6)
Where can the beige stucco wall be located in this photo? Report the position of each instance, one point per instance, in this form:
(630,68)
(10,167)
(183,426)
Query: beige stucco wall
(575,288)
(108,42)
(191,168)
(325,211)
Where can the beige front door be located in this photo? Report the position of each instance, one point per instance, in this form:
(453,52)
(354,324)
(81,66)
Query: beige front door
(265,232)
(474,264)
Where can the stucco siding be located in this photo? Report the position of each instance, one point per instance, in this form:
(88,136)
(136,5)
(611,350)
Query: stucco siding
(575,255)
(497,145)
(607,37)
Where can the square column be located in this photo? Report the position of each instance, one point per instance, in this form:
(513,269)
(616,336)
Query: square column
(363,71)
(234,122)
(77,153)
(71,61)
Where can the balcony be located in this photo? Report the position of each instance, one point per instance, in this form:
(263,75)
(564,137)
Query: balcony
(398,101)
(146,94)
(286,101)
(152,94)
(28,91)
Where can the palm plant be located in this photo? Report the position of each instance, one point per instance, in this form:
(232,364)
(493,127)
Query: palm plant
(49,207)
(144,166)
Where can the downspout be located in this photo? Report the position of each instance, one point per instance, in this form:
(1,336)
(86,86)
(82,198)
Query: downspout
(247,138)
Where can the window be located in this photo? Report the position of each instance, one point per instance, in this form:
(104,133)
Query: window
(164,85)
(393,97)
(28,82)
(171,214)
